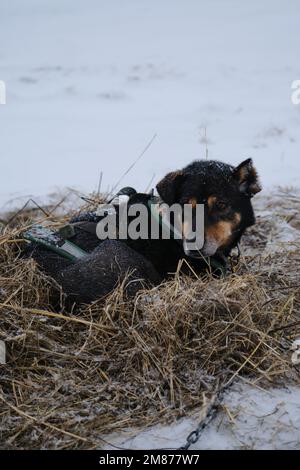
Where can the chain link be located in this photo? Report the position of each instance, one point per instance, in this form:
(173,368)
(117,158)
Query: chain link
(194,436)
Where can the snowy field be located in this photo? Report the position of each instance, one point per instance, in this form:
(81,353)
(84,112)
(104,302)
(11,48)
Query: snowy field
(89,84)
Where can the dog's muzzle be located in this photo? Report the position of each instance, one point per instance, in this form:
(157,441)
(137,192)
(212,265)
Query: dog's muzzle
(209,248)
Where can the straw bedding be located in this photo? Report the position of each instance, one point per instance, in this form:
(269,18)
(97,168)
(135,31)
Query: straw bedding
(73,378)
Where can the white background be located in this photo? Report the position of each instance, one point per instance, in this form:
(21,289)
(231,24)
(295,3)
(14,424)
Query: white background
(90,82)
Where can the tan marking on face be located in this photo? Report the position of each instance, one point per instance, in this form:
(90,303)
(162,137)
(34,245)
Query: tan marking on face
(237,219)
(187,225)
(211,200)
(193,202)
(186,229)
(220,233)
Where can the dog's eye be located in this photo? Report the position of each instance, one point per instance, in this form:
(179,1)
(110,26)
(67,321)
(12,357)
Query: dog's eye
(221,205)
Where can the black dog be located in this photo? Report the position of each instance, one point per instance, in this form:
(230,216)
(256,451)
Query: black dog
(224,190)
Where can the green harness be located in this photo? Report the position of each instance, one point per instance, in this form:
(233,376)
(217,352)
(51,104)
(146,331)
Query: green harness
(58,241)
(55,241)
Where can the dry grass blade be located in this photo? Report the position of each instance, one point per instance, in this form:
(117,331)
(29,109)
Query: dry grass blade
(70,380)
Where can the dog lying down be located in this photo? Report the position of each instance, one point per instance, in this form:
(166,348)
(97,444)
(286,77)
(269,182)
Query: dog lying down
(225,193)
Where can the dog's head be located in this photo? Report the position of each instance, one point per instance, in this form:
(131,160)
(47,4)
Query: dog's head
(226,193)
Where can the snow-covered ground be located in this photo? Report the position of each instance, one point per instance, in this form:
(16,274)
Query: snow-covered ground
(89,83)
(250,418)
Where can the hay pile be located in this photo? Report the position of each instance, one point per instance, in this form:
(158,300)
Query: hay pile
(70,380)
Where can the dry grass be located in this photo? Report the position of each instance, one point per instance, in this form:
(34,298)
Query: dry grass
(70,380)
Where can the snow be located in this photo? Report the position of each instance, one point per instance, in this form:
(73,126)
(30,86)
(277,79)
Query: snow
(251,418)
(89,84)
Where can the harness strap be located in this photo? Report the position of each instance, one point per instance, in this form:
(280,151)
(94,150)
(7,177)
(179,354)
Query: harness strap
(153,205)
(55,242)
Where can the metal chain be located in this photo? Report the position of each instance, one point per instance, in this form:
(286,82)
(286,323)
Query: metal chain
(194,436)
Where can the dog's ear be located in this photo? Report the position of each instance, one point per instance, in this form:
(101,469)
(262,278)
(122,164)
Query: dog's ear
(247,178)
(168,188)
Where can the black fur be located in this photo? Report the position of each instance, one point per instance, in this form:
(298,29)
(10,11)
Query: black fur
(226,193)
